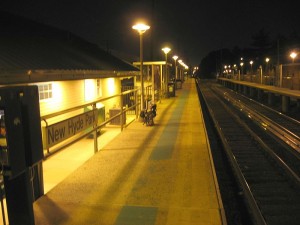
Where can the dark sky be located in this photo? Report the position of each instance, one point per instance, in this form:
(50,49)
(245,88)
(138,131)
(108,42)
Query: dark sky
(193,28)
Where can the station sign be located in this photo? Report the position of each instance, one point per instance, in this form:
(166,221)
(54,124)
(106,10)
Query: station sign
(58,132)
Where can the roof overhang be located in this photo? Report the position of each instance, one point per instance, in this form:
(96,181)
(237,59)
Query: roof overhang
(151,63)
(33,76)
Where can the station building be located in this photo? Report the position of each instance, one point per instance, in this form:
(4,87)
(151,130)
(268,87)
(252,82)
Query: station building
(72,74)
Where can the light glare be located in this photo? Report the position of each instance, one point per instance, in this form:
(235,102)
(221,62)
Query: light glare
(141,28)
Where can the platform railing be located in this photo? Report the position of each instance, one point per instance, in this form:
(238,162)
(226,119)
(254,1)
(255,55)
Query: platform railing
(94,130)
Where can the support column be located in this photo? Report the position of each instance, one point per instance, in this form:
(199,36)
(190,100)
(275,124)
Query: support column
(285,104)
(270,98)
(245,89)
(298,105)
(260,95)
(240,88)
(19,199)
(252,92)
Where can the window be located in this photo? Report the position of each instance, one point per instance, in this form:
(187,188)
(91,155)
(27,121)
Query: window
(45,91)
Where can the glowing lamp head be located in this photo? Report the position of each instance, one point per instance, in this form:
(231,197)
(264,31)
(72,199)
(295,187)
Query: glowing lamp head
(293,55)
(141,28)
(166,50)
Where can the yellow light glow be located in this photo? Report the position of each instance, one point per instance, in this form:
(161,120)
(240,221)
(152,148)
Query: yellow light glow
(293,55)
(89,90)
(99,105)
(57,92)
(111,86)
(166,50)
(141,28)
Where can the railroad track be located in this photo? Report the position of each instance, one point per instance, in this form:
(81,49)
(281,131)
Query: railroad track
(283,129)
(288,127)
(269,180)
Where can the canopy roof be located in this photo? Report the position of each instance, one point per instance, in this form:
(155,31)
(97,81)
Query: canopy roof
(28,46)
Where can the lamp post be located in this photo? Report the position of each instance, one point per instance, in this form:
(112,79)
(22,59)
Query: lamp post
(267,66)
(293,55)
(175,57)
(141,29)
(180,70)
(241,64)
(251,62)
(166,50)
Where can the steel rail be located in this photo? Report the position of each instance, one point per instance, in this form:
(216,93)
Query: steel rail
(276,129)
(252,204)
(250,151)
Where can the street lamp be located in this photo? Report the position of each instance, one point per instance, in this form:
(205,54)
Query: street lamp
(166,50)
(141,29)
(180,70)
(175,57)
(267,67)
(251,62)
(241,64)
(293,55)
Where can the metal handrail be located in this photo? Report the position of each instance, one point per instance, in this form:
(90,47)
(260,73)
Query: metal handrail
(86,104)
(94,130)
(85,134)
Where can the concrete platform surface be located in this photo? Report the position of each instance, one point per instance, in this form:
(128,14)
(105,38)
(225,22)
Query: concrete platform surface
(159,175)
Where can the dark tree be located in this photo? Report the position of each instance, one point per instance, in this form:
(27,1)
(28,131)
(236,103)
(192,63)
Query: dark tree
(277,50)
(261,40)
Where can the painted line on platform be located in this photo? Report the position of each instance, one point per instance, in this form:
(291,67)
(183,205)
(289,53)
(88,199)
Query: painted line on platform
(165,145)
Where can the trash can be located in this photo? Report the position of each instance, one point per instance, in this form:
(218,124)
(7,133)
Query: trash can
(171,89)
(178,84)
(116,121)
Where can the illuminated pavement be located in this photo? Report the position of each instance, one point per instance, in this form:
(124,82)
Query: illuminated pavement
(158,175)
(59,166)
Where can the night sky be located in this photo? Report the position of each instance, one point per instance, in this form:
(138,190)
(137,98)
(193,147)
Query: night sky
(192,28)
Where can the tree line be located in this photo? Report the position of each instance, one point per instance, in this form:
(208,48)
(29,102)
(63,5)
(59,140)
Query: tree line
(261,47)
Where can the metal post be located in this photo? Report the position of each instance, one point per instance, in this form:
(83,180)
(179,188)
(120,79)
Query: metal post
(136,103)
(142,74)
(161,82)
(166,77)
(261,74)
(122,117)
(95,131)
(2,193)
(280,75)
(153,83)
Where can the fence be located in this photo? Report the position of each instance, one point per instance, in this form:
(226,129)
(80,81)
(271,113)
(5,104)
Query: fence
(55,130)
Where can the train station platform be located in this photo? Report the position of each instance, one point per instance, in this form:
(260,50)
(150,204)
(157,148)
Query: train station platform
(145,175)
(269,88)
(255,90)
